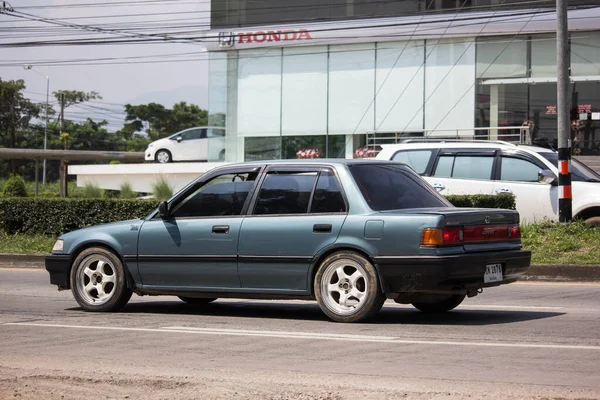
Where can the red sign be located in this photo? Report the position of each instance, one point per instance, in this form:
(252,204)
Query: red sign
(584,108)
(273,36)
(550,110)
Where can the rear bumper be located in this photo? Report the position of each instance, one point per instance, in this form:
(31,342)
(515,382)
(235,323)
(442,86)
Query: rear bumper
(464,271)
(59,265)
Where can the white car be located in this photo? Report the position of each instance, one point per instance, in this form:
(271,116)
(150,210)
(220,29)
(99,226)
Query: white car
(529,172)
(203,143)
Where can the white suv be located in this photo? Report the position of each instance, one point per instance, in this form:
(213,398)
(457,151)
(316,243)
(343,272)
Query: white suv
(203,143)
(529,172)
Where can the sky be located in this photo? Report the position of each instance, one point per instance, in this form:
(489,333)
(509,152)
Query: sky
(132,81)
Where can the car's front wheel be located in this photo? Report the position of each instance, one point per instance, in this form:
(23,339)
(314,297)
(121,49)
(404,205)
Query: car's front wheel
(439,303)
(347,287)
(98,280)
(163,156)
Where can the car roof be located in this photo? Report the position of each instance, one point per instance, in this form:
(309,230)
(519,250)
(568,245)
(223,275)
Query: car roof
(464,144)
(333,162)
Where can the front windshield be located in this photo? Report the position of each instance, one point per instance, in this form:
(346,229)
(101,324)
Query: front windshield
(579,171)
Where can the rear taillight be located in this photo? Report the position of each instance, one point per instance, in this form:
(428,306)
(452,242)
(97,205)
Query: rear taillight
(469,234)
(514,232)
(441,236)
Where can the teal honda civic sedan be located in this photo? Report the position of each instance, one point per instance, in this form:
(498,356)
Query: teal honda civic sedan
(348,233)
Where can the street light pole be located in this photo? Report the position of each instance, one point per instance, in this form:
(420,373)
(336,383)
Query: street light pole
(30,67)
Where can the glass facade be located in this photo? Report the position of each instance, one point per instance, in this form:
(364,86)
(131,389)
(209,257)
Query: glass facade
(330,100)
(241,13)
(521,90)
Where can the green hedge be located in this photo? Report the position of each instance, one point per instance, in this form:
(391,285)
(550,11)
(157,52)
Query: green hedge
(503,200)
(55,216)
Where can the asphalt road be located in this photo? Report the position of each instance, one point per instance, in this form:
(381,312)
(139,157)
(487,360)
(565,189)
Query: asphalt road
(529,340)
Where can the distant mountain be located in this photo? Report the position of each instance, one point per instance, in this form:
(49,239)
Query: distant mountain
(191,94)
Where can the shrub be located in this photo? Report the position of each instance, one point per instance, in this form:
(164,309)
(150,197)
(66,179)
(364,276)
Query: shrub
(55,216)
(91,191)
(126,191)
(15,187)
(162,189)
(502,200)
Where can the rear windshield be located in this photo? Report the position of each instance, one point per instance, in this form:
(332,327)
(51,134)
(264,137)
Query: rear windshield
(394,187)
(579,171)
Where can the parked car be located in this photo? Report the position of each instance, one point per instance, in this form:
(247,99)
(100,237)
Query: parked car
(529,172)
(348,233)
(203,143)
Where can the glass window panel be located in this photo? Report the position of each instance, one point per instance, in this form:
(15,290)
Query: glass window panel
(543,57)
(304,85)
(450,86)
(259,92)
(303,147)
(223,195)
(399,80)
(585,55)
(416,159)
(473,167)
(262,148)
(327,197)
(502,57)
(351,88)
(217,89)
(285,193)
(514,169)
(444,167)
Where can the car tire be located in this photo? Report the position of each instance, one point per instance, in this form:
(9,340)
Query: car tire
(347,287)
(440,303)
(593,221)
(222,155)
(197,301)
(163,156)
(98,281)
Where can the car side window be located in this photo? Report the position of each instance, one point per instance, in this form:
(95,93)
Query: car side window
(192,134)
(416,159)
(328,197)
(215,132)
(222,195)
(465,167)
(516,169)
(285,193)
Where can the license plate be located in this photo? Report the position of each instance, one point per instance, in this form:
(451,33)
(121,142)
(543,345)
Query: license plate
(493,273)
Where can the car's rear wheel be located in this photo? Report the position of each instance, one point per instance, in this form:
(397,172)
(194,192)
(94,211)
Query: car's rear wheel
(439,303)
(163,156)
(98,280)
(593,221)
(222,155)
(347,287)
(197,300)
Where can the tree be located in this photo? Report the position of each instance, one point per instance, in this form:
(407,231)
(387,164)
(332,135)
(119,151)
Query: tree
(16,112)
(161,121)
(72,97)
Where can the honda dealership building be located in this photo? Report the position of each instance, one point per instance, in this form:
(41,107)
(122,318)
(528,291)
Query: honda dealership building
(301,78)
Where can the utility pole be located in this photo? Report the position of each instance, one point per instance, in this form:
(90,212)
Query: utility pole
(62,169)
(565,209)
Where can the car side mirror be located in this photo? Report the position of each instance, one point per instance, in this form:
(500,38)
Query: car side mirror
(179,139)
(547,176)
(163,209)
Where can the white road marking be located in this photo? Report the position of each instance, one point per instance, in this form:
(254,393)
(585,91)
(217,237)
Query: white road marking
(465,306)
(311,335)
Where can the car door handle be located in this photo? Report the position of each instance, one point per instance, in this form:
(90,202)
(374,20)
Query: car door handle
(503,190)
(439,187)
(220,229)
(322,228)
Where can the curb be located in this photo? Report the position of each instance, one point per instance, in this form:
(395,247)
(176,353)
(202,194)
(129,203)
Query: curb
(537,272)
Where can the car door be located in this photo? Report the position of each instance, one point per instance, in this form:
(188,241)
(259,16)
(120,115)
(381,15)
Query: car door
(463,172)
(518,174)
(296,213)
(196,246)
(192,145)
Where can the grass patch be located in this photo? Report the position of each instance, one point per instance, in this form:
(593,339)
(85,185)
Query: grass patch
(26,244)
(554,243)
